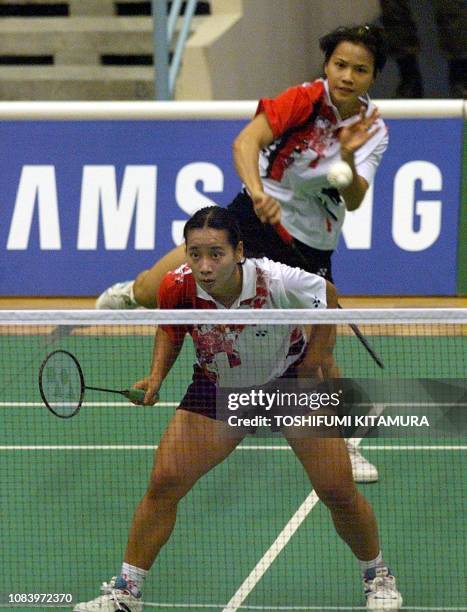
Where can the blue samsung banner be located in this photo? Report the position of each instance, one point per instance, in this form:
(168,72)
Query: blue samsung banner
(403,239)
(87,203)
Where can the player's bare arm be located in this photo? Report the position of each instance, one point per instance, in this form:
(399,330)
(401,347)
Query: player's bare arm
(164,355)
(351,139)
(319,361)
(246,147)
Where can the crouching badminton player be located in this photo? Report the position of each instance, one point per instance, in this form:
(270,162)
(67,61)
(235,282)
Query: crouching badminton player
(217,276)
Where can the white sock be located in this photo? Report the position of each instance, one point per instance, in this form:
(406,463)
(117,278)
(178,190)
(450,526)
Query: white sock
(374,563)
(134,577)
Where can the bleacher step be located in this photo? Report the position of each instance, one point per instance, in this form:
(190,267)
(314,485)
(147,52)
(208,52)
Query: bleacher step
(76,83)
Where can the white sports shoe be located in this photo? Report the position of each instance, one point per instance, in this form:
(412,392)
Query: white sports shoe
(118,297)
(362,469)
(381,591)
(113,599)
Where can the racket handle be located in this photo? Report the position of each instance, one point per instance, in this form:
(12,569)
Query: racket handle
(283,234)
(136,395)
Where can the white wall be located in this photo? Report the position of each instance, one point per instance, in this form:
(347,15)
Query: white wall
(254,48)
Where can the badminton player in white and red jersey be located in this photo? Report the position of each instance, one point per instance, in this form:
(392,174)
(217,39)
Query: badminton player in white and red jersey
(283,156)
(297,137)
(218,276)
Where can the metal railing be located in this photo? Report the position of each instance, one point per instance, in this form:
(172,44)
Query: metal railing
(164,29)
(203,110)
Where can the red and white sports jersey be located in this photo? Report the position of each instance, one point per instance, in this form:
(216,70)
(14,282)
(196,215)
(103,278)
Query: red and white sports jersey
(245,355)
(293,168)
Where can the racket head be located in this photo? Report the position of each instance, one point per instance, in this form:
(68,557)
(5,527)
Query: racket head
(61,383)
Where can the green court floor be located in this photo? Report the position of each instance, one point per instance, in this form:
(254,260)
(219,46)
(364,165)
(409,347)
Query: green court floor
(69,489)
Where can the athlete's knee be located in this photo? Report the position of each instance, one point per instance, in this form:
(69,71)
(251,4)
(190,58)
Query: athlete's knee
(144,292)
(168,483)
(337,496)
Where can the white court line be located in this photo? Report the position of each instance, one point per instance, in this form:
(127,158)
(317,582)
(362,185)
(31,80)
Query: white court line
(202,606)
(150,604)
(427,608)
(411,447)
(414,447)
(85,404)
(273,551)
(172,404)
(412,404)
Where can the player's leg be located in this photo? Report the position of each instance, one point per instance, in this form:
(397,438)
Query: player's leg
(327,464)
(141,292)
(191,446)
(328,467)
(362,470)
(147,283)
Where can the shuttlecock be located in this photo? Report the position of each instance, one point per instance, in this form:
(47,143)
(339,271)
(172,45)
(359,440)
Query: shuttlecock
(340,175)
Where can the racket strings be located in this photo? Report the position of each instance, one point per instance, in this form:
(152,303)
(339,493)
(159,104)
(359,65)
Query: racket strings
(61,383)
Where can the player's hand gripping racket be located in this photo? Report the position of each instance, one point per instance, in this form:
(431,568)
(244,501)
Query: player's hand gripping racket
(62,385)
(287,239)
